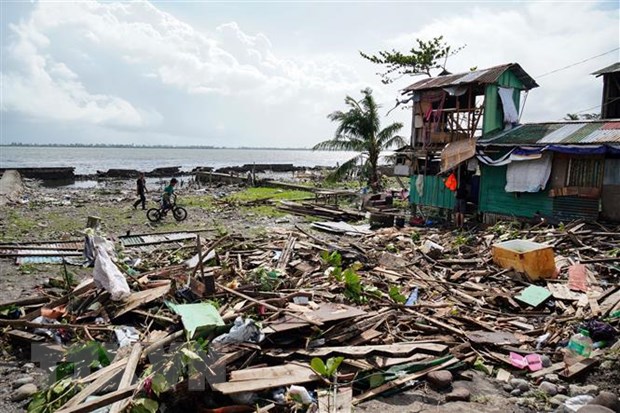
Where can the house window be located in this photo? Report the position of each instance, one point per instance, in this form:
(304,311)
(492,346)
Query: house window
(585,172)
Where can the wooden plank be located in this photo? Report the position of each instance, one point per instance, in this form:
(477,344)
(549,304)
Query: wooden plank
(394,350)
(437,322)
(578,368)
(547,370)
(265,378)
(101,401)
(401,380)
(140,298)
(128,375)
(101,381)
(609,303)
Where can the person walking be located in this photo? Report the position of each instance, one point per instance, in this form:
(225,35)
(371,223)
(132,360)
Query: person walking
(140,191)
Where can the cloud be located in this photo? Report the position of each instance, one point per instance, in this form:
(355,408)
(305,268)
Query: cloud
(152,45)
(541,36)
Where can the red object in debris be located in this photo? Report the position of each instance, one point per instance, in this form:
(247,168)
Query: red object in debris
(262,310)
(577,278)
(451,182)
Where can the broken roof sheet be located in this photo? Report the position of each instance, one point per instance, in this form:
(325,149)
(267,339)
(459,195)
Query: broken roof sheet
(609,69)
(568,133)
(483,76)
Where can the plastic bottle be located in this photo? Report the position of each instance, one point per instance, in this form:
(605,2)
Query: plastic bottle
(579,347)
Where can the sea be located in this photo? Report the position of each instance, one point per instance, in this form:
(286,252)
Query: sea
(89,160)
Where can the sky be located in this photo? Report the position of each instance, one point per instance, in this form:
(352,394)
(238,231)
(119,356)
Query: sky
(267,74)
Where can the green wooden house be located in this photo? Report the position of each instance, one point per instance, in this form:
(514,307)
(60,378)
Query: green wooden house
(449,113)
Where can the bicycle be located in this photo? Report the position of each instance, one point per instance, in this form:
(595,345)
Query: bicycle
(155,214)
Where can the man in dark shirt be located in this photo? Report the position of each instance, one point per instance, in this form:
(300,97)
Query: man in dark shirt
(140,190)
(461,204)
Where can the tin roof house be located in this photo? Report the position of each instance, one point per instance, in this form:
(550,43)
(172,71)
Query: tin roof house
(450,112)
(560,170)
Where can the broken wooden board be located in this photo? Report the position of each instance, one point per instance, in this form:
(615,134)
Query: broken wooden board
(262,378)
(326,312)
(562,292)
(140,298)
(392,350)
(609,303)
(533,295)
(499,338)
(578,368)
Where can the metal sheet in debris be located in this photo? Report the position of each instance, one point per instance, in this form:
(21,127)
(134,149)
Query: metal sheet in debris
(156,238)
(46,246)
(128,241)
(38,260)
(42,253)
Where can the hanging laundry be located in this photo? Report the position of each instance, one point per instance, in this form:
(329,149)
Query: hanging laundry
(528,176)
(451,182)
(419,185)
(511,115)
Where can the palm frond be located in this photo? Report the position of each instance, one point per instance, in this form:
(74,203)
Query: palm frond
(387,134)
(344,169)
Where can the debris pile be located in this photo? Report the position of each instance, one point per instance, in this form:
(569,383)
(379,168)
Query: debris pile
(297,320)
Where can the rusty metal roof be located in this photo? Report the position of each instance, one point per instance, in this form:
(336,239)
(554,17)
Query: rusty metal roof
(483,76)
(609,69)
(557,133)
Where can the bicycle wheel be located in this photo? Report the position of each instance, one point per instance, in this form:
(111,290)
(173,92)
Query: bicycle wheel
(153,214)
(179,213)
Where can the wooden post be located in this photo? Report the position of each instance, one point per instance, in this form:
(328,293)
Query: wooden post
(93,222)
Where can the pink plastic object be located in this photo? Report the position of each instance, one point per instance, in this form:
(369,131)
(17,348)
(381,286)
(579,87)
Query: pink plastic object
(532,361)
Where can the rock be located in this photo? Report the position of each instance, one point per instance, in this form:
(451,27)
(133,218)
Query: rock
(24,392)
(22,380)
(28,366)
(440,379)
(562,390)
(575,390)
(520,384)
(549,388)
(607,364)
(552,378)
(558,399)
(607,399)
(515,392)
(546,361)
(508,387)
(460,394)
(594,408)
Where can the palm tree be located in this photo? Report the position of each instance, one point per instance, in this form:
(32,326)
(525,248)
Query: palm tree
(359,130)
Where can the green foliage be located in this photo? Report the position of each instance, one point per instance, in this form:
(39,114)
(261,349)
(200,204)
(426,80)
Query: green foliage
(359,130)
(269,279)
(422,58)
(264,193)
(396,295)
(27,268)
(584,116)
(333,259)
(328,369)
(415,236)
(354,290)
(54,397)
(391,248)
(144,405)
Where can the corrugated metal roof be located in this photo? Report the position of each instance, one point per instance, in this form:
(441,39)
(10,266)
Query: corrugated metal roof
(568,133)
(609,69)
(483,76)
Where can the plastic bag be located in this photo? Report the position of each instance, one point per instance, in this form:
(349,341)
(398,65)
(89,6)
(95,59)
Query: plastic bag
(241,332)
(106,273)
(451,182)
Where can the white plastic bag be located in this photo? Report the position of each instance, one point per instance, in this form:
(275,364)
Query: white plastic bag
(106,273)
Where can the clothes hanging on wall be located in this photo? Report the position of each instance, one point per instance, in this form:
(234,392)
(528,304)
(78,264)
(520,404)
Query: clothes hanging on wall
(528,176)
(511,115)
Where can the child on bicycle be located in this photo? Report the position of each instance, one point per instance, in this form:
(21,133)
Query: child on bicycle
(167,195)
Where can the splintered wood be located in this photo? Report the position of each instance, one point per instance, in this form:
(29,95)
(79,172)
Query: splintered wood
(379,299)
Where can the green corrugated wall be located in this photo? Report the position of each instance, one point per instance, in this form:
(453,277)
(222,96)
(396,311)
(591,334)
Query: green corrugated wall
(493,197)
(434,194)
(493,114)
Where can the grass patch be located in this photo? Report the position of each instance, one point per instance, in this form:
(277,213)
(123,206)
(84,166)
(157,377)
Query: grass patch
(17,226)
(200,201)
(265,211)
(254,194)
